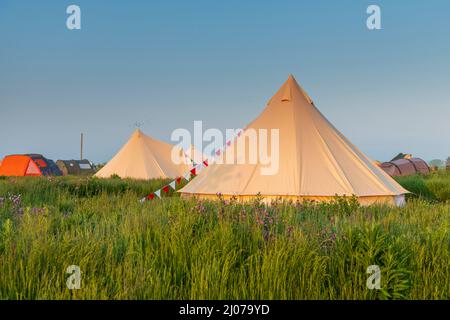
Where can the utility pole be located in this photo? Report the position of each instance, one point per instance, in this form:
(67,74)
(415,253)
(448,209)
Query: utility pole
(81,147)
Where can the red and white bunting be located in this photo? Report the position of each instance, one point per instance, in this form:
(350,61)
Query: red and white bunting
(188,175)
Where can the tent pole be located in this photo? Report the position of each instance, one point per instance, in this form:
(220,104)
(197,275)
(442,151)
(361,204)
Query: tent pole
(81,147)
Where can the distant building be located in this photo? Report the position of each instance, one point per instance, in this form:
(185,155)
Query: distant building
(436,163)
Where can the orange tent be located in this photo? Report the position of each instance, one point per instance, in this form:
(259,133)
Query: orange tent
(19,166)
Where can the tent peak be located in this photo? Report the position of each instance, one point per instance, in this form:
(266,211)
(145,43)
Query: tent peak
(137,133)
(289,91)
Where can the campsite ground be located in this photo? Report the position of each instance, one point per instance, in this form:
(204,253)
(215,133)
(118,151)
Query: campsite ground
(178,249)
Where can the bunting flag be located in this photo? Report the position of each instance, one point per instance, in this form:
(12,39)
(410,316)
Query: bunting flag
(188,175)
(188,159)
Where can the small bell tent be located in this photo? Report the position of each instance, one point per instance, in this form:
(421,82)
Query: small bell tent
(143,157)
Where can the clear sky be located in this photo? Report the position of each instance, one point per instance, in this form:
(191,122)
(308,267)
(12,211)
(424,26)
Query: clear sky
(168,63)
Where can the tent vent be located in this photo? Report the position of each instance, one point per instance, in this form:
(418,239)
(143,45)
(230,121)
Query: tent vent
(286,95)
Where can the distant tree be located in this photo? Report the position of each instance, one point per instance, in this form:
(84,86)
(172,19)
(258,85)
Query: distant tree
(447,163)
(436,163)
(98,166)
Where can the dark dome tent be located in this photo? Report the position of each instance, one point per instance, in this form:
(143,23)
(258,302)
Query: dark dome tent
(405,167)
(76,167)
(47,166)
(402,156)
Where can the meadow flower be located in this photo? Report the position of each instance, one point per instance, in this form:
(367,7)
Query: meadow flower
(289,231)
(327,237)
(16,200)
(333,236)
(35,210)
(200,208)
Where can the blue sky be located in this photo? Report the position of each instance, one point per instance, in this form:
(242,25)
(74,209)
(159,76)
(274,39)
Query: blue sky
(168,63)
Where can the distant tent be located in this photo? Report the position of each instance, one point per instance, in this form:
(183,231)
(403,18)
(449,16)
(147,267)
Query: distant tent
(405,167)
(47,166)
(27,165)
(146,158)
(316,162)
(76,167)
(19,166)
(402,156)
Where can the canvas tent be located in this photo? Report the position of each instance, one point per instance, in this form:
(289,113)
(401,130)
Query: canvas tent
(146,158)
(28,165)
(76,167)
(377,163)
(405,167)
(316,162)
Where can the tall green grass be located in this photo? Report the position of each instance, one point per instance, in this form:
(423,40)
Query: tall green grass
(435,186)
(186,249)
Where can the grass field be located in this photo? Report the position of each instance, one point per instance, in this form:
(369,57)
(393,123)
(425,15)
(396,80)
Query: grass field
(184,249)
